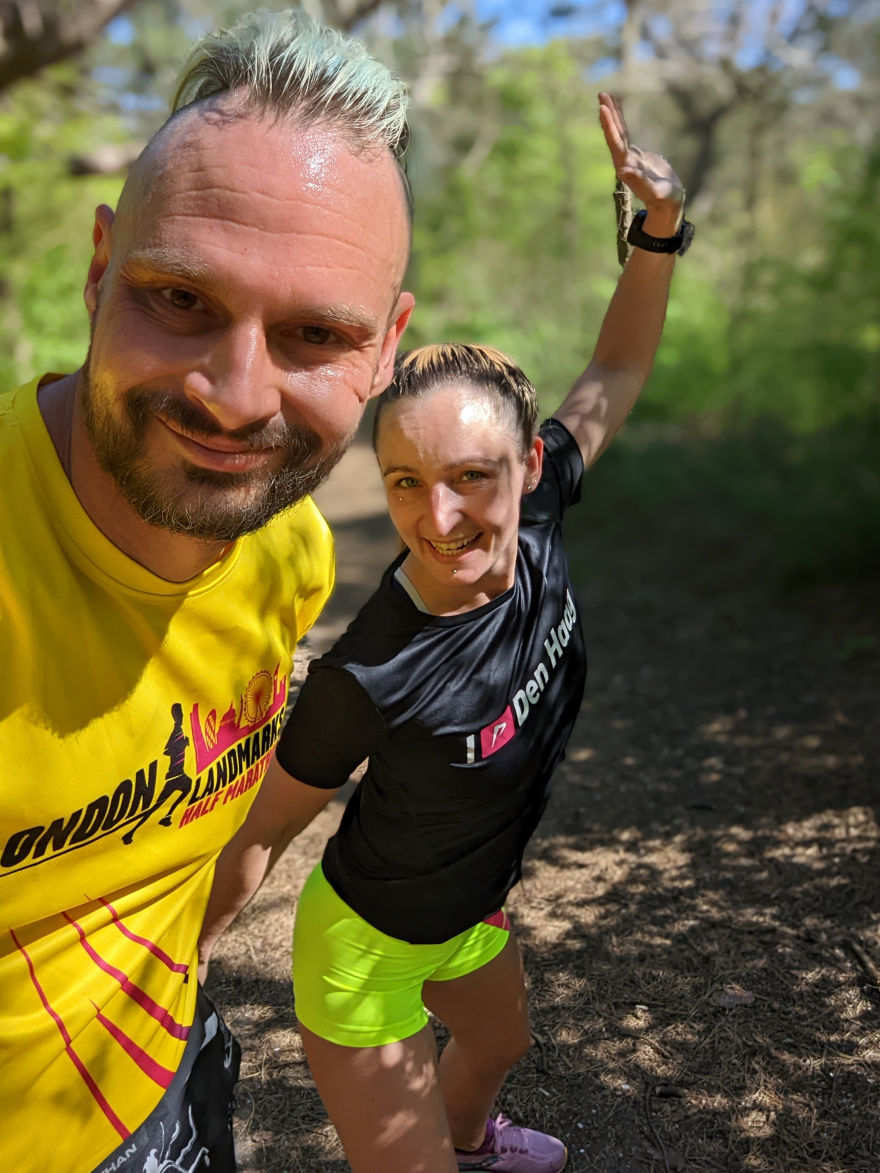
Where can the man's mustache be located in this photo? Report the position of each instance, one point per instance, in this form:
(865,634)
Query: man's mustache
(301,443)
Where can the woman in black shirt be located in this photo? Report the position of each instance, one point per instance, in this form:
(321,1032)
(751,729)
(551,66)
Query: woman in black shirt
(460,680)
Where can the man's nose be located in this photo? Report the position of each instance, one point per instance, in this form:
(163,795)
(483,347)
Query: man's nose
(445,509)
(239,383)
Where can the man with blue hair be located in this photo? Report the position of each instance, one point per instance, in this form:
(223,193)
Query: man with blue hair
(245,303)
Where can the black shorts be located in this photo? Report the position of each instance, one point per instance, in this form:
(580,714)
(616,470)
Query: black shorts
(190,1129)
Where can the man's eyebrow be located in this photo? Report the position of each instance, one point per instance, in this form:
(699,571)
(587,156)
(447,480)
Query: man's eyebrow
(336,315)
(161,265)
(158,263)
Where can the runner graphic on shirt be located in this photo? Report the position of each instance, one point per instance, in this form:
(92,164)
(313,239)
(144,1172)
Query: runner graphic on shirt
(177,781)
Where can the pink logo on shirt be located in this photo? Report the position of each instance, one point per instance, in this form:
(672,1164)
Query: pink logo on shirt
(498,733)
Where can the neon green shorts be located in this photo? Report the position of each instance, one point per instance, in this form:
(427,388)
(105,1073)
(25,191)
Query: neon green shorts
(359,987)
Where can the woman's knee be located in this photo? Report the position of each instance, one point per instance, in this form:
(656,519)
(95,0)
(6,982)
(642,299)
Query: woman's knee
(385,1103)
(495,1050)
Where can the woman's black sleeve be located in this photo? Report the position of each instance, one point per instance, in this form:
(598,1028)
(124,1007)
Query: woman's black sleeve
(333,727)
(560,484)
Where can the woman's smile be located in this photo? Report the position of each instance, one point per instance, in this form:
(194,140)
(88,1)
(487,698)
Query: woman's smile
(452,547)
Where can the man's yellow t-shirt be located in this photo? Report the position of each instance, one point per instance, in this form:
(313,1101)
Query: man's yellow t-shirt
(137,717)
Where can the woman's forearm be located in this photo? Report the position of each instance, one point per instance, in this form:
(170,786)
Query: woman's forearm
(605,393)
(633,323)
(282,809)
(240,871)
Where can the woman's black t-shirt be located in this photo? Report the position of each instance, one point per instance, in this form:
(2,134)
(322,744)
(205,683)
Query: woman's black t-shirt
(464,719)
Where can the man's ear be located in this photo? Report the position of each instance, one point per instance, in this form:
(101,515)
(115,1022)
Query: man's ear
(101,238)
(385,367)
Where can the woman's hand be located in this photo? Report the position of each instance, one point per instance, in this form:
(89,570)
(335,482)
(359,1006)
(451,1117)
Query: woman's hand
(204,959)
(648,176)
(603,396)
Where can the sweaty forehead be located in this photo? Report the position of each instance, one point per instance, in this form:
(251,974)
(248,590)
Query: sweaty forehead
(259,186)
(449,415)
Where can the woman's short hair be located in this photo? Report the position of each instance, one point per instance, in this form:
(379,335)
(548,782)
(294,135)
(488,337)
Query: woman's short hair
(420,371)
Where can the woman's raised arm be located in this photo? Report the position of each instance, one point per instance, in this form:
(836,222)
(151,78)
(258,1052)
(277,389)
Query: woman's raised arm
(605,393)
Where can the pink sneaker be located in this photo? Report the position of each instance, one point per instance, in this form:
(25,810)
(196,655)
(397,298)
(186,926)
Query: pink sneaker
(508,1149)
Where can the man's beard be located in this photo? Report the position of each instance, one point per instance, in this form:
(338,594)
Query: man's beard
(191,500)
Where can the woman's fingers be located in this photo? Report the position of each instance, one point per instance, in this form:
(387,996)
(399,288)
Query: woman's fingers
(610,124)
(648,175)
(618,111)
(616,132)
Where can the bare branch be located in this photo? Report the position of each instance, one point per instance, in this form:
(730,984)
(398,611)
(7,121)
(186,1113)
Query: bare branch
(37,33)
(362,11)
(108,159)
(346,14)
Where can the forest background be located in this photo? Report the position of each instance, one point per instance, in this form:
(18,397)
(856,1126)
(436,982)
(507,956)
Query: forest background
(764,406)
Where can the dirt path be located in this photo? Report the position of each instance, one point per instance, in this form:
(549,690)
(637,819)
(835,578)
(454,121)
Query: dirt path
(353,501)
(700,909)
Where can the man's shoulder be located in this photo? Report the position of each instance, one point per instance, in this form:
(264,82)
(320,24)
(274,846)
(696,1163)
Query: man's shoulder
(298,531)
(7,393)
(8,421)
(292,558)
(12,440)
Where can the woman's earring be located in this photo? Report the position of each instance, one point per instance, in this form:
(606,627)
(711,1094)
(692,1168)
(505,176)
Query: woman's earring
(529,487)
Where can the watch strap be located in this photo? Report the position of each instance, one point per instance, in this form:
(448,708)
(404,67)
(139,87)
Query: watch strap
(679,243)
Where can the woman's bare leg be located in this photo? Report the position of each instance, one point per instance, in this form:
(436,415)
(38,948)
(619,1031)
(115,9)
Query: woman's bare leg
(487,1015)
(385,1103)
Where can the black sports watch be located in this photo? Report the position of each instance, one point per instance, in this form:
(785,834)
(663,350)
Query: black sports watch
(679,243)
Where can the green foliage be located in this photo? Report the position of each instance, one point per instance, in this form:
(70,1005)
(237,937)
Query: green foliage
(45,223)
(519,251)
(809,502)
(769,371)
(764,405)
